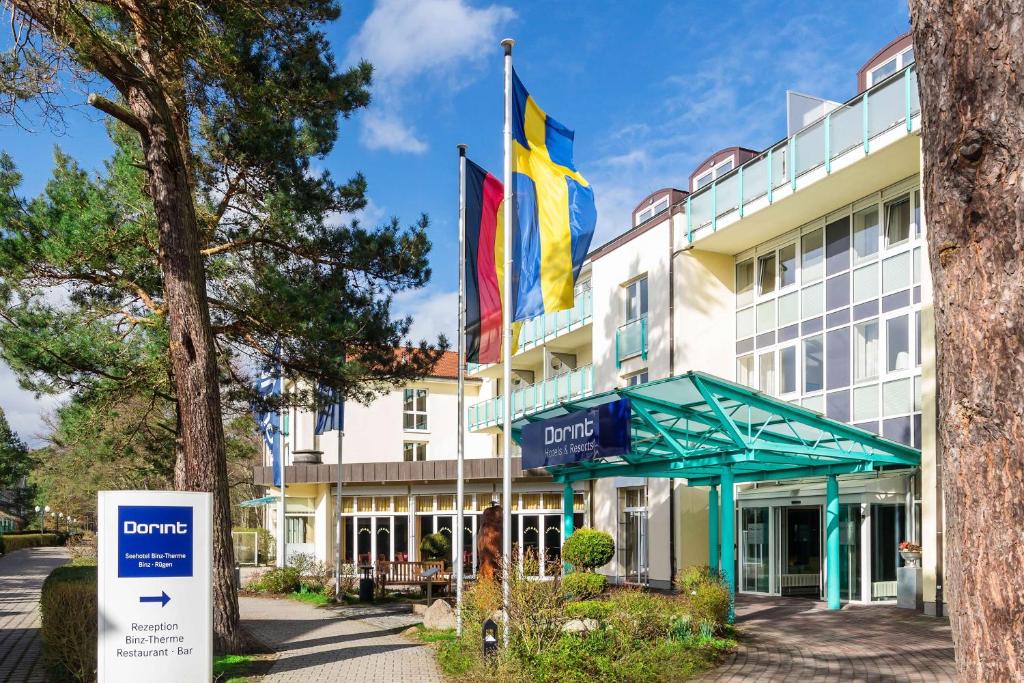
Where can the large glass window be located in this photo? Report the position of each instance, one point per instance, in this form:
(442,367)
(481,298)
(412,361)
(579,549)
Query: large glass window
(813,257)
(636,299)
(814,375)
(766,372)
(865,350)
(766,274)
(414,451)
(897,221)
(865,233)
(787,265)
(744,282)
(787,370)
(414,409)
(745,370)
(886,534)
(897,343)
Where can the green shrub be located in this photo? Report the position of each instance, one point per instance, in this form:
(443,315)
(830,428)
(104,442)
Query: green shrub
(588,609)
(583,585)
(704,596)
(68,609)
(9,543)
(435,547)
(587,549)
(279,580)
(638,615)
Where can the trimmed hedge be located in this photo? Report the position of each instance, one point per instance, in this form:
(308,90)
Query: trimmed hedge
(68,609)
(587,549)
(583,585)
(11,542)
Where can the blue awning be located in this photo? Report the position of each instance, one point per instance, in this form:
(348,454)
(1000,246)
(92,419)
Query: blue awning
(259,502)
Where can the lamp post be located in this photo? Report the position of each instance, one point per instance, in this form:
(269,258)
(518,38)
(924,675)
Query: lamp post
(39,514)
(46,511)
(60,516)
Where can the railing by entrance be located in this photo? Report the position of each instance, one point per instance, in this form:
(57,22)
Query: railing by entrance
(578,383)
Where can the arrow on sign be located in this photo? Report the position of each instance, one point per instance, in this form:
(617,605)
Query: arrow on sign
(163,598)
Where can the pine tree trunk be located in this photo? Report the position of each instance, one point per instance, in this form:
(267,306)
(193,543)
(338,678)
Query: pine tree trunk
(970,58)
(201,464)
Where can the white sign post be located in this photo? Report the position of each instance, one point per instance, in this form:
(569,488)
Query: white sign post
(155,609)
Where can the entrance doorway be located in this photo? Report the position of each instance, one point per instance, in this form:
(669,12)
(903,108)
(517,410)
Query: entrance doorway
(800,551)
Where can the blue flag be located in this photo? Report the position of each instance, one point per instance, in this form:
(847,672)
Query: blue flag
(269,423)
(330,415)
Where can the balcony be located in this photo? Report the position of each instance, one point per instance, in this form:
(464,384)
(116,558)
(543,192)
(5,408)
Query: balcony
(534,397)
(873,125)
(631,340)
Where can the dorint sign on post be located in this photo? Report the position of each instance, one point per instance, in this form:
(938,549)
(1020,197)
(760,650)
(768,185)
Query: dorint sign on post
(599,432)
(155,610)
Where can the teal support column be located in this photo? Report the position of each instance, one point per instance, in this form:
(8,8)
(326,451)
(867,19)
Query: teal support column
(568,508)
(832,540)
(728,534)
(713,527)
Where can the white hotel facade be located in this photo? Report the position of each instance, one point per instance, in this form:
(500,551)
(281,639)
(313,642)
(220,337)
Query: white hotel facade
(799,270)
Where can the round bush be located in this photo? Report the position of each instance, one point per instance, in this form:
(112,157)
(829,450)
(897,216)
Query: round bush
(588,549)
(583,585)
(435,547)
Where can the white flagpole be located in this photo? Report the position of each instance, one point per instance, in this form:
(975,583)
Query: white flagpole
(337,508)
(506,354)
(282,542)
(460,486)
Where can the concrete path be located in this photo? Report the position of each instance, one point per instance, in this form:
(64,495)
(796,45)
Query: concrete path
(21,577)
(792,639)
(317,645)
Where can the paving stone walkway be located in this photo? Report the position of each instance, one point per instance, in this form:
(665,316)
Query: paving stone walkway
(21,577)
(792,639)
(317,645)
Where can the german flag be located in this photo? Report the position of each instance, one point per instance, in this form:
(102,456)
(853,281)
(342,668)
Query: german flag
(484,194)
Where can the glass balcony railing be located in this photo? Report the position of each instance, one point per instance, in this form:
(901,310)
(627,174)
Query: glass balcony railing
(631,340)
(526,400)
(536,330)
(887,105)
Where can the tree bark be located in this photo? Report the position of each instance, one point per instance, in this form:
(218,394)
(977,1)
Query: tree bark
(203,466)
(970,59)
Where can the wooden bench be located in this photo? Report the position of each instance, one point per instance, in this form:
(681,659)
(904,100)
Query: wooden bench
(412,574)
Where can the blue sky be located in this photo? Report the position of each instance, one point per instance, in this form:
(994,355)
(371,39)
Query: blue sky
(651,88)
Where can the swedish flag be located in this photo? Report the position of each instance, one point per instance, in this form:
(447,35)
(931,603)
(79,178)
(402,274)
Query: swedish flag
(554,212)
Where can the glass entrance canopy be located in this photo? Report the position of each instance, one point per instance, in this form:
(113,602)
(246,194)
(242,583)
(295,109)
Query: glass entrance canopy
(716,433)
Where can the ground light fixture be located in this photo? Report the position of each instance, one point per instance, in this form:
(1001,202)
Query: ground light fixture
(490,638)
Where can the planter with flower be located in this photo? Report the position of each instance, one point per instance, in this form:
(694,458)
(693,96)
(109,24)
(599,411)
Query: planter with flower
(911,553)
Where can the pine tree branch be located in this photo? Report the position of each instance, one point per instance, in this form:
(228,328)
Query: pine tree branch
(118,112)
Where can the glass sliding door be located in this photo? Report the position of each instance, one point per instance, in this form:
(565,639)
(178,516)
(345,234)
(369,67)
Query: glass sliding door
(632,541)
(531,545)
(756,550)
(886,534)
(849,551)
(800,540)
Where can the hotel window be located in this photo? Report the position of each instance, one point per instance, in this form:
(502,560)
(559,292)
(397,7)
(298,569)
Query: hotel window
(705,179)
(636,300)
(652,211)
(865,350)
(787,370)
(414,410)
(766,274)
(744,282)
(638,378)
(897,343)
(787,266)
(414,451)
(890,66)
(897,221)
(865,233)
(813,255)
(814,375)
(766,372)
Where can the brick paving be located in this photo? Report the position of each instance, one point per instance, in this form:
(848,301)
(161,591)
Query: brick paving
(21,577)
(318,645)
(792,639)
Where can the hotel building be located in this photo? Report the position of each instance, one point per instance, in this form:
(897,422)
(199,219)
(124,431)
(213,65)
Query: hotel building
(800,271)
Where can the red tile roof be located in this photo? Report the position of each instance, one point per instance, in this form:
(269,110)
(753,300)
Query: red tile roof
(447,366)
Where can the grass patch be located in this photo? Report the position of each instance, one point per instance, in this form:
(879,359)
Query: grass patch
(431,636)
(310,597)
(239,668)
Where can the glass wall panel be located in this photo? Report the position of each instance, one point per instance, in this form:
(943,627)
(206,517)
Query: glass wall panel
(847,128)
(787,370)
(756,550)
(766,373)
(755,179)
(897,344)
(766,316)
(787,265)
(865,233)
(837,246)
(401,538)
(780,165)
(837,364)
(815,403)
(789,309)
(727,194)
(837,405)
(849,551)
(383,538)
(700,209)
(865,350)
(897,221)
(745,371)
(897,429)
(837,292)
(813,299)
(865,403)
(766,274)
(745,282)
(812,256)
(813,364)
(865,283)
(745,323)
(810,147)
(896,272)
(886,534)
(887,107)
(897,397)
(552,543)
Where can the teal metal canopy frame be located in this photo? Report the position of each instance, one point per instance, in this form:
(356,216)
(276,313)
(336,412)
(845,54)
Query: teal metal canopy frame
(716,433)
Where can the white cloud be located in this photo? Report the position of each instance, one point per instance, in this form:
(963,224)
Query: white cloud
(24,411)
(382,130)
(429,40)
(433,313)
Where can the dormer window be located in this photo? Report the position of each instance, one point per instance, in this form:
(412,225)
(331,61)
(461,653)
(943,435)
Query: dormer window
(890,66)
(715,172)
(652,211)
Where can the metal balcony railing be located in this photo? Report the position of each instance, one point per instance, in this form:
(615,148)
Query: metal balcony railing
(631,340)
(526,400)
(537,330)
(883,107)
